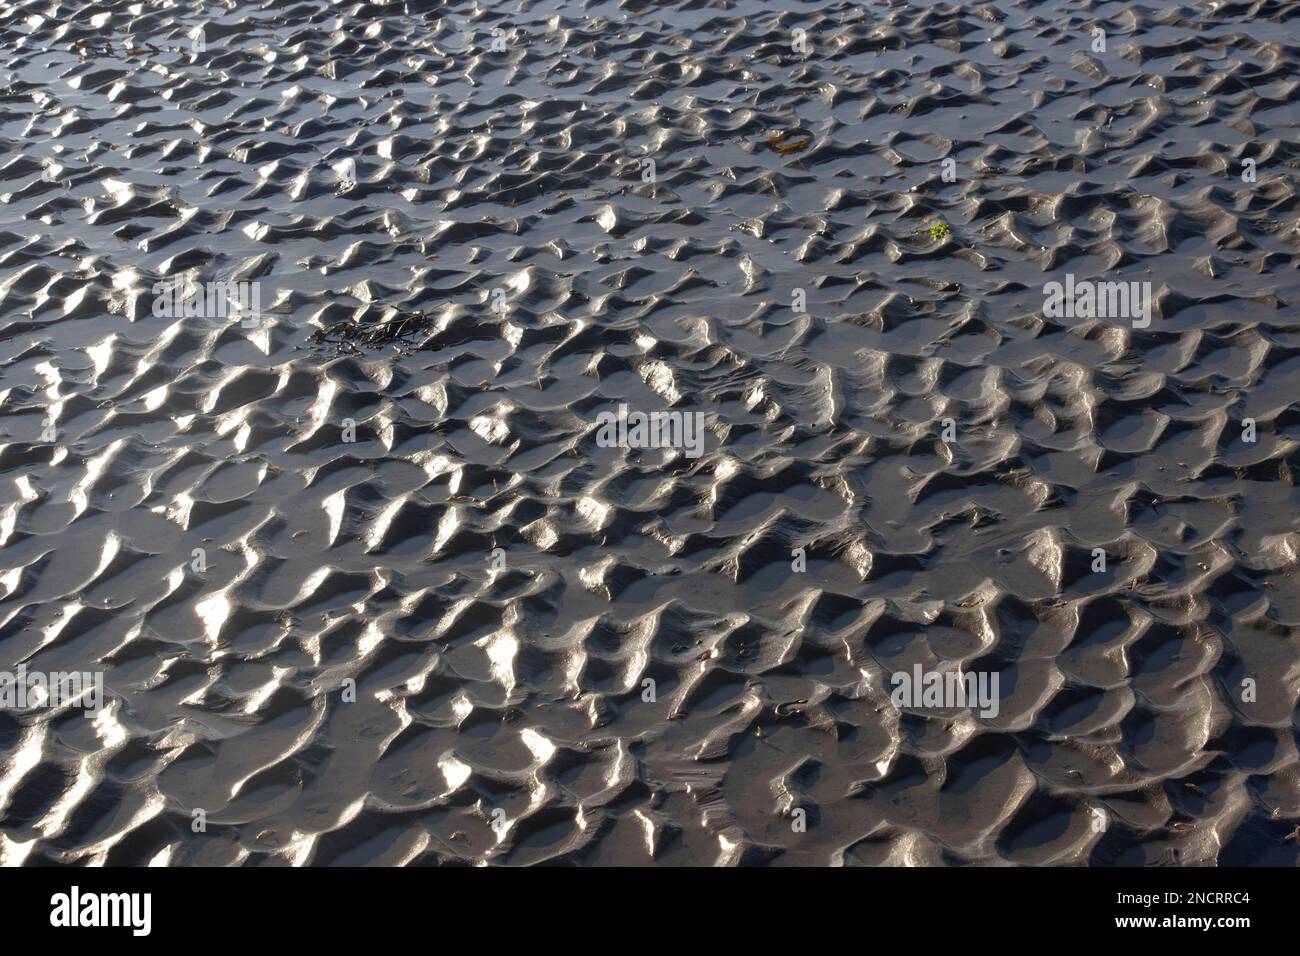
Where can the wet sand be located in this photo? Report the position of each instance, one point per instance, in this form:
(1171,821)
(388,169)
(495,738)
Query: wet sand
(463,261)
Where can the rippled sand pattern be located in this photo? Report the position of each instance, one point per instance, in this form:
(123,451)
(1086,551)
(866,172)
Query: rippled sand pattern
(131,158)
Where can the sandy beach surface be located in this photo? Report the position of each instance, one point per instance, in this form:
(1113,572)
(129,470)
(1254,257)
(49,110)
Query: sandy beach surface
(362,581)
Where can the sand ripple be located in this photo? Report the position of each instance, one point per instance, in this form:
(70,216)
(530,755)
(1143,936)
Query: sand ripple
(462,260)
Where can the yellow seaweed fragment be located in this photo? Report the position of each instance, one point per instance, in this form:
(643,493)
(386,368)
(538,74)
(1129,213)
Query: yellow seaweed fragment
(790,141)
